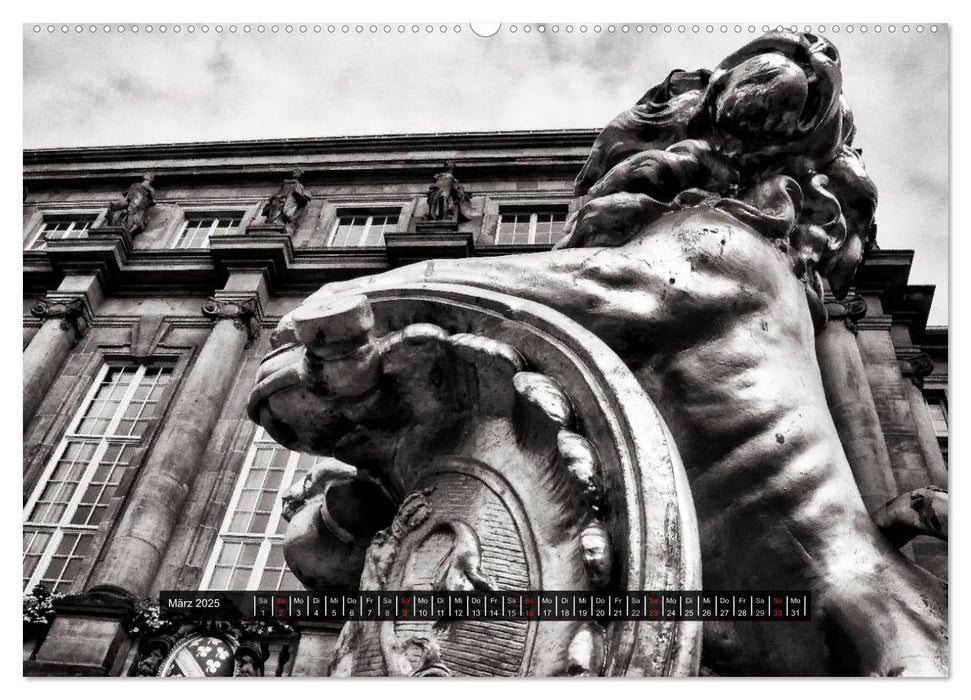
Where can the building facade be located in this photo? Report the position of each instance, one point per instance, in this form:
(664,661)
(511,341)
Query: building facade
(141,342)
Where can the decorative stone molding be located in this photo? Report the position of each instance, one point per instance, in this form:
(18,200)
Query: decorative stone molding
(915,366)
(245,313)
(101,601)
(850,310)
(265,229)
(71,313)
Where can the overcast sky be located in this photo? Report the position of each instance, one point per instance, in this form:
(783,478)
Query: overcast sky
(107,89)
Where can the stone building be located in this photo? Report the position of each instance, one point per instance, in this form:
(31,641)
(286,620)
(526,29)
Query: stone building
(147,313)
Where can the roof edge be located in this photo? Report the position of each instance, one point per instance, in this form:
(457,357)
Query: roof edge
(360,142)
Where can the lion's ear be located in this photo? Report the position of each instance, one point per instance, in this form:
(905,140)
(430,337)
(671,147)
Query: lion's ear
(843,266)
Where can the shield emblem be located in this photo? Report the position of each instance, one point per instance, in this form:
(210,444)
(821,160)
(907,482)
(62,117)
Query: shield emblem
(199,657)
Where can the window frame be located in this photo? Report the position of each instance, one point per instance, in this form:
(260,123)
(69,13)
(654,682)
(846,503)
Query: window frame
(370,213)
(70,435)
(533,210)
(37,241)
(217,215)
(938,398)
(265,539)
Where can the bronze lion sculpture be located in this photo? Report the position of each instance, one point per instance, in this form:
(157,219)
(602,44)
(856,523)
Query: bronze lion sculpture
(713,214)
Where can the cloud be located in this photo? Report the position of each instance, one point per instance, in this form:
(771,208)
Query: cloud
(84,90)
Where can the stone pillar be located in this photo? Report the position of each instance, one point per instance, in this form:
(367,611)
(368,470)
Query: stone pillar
(893,395)
(914,366)
(914,369)
(882,364)
(132,557)
(851,403)
(67,315)
(315,650)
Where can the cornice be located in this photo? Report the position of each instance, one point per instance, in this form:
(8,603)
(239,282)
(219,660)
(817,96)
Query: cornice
(363,144)
(884,274)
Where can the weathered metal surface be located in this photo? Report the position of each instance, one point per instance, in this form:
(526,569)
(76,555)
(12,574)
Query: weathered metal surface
(713,211)
(523,454)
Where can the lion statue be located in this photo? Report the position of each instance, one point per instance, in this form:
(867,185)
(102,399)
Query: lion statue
(712,216)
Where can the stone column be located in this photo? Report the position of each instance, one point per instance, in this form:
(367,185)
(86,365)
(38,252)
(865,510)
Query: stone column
(315,650)
(893,406)
(132,558)
(67,315)
(914,369)
(930,553)
(851,403)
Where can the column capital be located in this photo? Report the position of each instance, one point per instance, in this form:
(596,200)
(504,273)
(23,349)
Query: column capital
(100,601)
(245,312)
(849,310)
(72,312)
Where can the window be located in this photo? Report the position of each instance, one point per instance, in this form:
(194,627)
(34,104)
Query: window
(196,231)
(530,227)
(360,229)
(57,226)
(249,552)
(937,406)
(72,497)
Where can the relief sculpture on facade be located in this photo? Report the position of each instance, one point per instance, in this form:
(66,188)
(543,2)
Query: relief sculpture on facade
(712,216)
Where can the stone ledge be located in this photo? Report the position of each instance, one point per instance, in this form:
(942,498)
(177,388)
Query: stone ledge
(404,248)
(47,669)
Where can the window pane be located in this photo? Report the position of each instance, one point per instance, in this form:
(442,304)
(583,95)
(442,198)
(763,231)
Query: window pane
(64,565)
(340,233)
(935,407)
(275,568)
(240,578)
(224,225)
(220,578)
(60,486)
(143,403)
(275,558)
(290,582)
(355,232)
(35,542)
(259,521)
(270,580)
(108,475)
(229,553)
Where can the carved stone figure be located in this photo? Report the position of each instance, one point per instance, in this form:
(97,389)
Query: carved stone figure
(149,664)
(285,206)
(131,211)
(712,214)
(447,199)
(247,664)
